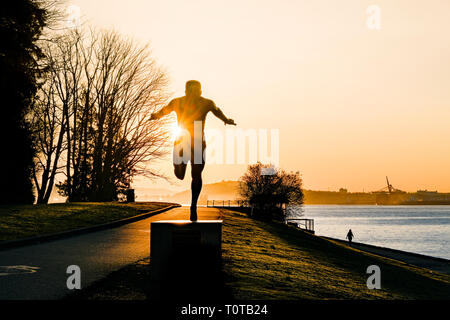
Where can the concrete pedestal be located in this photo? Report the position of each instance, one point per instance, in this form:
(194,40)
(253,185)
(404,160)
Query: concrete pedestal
(182,247)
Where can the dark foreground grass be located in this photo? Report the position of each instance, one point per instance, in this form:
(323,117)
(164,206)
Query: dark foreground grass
(23,221)
(274,261)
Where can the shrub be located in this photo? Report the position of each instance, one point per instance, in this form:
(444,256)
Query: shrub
(269,194)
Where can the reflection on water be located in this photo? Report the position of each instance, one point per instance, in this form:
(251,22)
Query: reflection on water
(420,229)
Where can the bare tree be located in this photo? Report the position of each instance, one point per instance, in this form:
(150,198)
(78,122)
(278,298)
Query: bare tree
(48,123)
(107,88)
(126,87)
(54,109)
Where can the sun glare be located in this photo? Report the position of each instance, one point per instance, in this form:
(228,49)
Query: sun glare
(176,131)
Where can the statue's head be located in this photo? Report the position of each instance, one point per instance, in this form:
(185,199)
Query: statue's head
(193,88)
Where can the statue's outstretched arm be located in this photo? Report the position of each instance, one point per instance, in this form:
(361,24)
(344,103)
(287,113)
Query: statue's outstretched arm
(163,112)
(219,114)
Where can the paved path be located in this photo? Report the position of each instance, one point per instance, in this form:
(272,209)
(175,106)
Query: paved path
(435,264)
(39,271)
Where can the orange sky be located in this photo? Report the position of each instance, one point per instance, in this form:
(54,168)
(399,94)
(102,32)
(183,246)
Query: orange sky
(352,104)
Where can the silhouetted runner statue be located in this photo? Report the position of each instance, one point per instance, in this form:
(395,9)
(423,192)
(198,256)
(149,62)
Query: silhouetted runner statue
(191,113)
(350,236)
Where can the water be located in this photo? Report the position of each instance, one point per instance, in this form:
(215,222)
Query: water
(420,229)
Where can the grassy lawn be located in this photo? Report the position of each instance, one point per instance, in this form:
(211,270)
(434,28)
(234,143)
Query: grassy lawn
(22,221)
(275,261)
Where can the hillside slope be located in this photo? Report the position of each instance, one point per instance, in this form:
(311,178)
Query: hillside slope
(275,261)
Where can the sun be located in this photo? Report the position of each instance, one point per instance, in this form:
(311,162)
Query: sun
(176,131)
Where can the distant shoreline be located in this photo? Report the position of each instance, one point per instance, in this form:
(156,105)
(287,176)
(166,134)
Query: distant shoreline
(375,205)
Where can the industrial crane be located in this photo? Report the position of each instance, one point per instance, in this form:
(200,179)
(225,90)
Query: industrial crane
(389,188)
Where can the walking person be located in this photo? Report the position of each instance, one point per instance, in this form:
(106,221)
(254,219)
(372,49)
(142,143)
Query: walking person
(350,236)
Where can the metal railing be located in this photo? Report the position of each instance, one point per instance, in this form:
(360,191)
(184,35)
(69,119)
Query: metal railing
(227,203)
(306,224)
(301,223)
